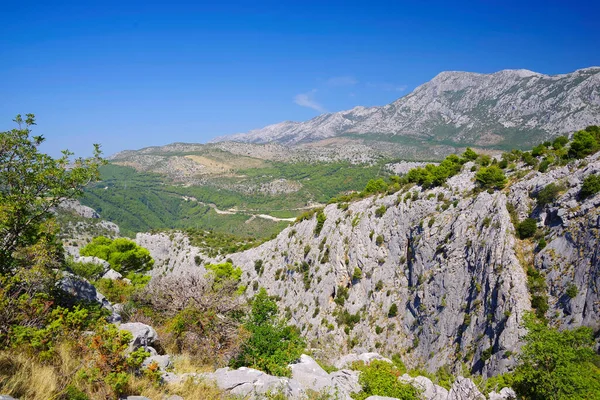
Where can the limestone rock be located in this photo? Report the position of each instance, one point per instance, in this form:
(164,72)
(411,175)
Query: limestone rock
(504,394)
(163,362)
(464,389)
(348,359)
(112,275)
(93,260)
(143,336)
(428,389)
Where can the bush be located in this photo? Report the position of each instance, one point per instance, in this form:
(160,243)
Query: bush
(321,218)
(557,365)
(272,345)
(122,254)
(572,291)
(527,228)
(357,274)
(379,240)
(490,177)
(591,186)
(584,143)
(548,194)
(469,155)
(380,378)
(393,311)
(89,271)
(380,211)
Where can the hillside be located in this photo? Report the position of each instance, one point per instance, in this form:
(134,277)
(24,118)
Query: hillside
(442,274)
(504,110)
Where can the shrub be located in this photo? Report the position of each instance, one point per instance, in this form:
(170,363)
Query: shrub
(572,291)
(490,177)
(584,143)
(90,271)
(272,345)
(224,272)
(527,228)
(376,186)
(393,311)
(431,222)
(122,254)
(548,194)
(380,378)
(341,295)
(557,364)
(560,142)
(357,274)
(591,186)
(379,240)
(380,211)
(321,218)
(469,155)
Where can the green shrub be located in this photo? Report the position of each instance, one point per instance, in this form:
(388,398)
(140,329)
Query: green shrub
(469,155)
(393,311)
(380,211)
(376,186)
(560,142)
(380,378)
(379,240)
(321,218)
(548,194)
(89,271)
(527,228)
(491,177)
(272,344)
(222,272)
(591,186)
(341,295)
(557,364)
(584,143)
(357,274)
(572,291)
(431,222)
(122,254)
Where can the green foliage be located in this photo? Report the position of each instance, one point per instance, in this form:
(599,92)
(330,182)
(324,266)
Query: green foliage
(536,282)
(357,274)
(469,154)
(321,218)
(557,364)
(33,183)
(380,211)
(527,228)
(585,142)
(376,186)
(393,311)
(591,186)
(119,291)
(560,142)
(435,175)
(341,295)
(380,378)
(223,272)
(491,177)
(572,291)
(548,194)
(89,271)
(218,243)
(122,254)
(379,240)
(272,345)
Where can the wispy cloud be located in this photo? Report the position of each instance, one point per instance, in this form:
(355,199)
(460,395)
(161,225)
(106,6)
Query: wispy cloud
(308,100)
(342,81)
(388,87)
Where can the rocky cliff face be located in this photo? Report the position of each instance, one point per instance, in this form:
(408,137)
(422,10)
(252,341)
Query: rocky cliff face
(437,276)
(463,108)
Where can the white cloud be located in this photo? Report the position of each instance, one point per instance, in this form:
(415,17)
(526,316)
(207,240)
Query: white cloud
(388,87)
(342,81)
(307,100)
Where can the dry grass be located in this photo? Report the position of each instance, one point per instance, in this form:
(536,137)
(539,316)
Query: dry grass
(26,379)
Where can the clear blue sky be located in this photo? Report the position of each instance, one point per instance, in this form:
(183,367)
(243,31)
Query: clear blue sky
(130,74)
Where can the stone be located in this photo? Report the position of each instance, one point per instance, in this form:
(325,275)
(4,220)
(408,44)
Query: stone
(143,336)
(346,381)
(6,397)
(429,390)
(310,374)
(112,275)
(464,389)
(504,394)
(163,361)
(82,290)
(249,383)
(348,359)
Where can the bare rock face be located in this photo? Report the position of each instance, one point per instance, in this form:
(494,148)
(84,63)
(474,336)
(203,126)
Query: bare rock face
(143,336)
(464,389)
(436,276)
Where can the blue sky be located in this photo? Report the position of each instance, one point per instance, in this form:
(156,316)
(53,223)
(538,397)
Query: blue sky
(130,74)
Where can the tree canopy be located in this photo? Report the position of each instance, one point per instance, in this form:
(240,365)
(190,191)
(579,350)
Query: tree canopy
(31,185)
(122,254)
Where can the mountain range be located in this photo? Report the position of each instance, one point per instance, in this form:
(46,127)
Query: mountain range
(506,109)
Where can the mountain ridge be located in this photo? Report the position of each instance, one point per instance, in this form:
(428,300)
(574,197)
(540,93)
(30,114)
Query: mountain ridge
(464,108)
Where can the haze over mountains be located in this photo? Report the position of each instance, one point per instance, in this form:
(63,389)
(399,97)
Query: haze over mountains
(509,108)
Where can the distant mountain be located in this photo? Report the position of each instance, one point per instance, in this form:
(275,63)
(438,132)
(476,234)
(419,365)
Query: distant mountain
(510,108)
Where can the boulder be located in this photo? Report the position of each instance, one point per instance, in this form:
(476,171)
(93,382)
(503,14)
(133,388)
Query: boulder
(82,290)
(163,361)
(143,336)
(310,374)
(429,390)
(112,275)
(346,381)
(504,394)
(250,383)
(6,397)
(464,389)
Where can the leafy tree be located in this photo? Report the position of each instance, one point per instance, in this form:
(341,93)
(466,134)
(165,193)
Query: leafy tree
(122,254)
(272,344)
(591,186)
(469,154)
(376,186)
(560,142)
(491,177)
(31,184)
(321,218)
(584,143)
(557,365)
(527,228)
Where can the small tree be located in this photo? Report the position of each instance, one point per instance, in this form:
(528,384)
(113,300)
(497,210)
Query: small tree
(469,154)
(549,194)
(591,186)
(527,228)
(491,177)
(31,185)
(122,254)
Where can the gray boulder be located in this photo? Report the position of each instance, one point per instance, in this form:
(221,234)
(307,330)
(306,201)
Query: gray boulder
(112,275)
(310,374)
(464,389)
(505,394)
(6,397)
(251,383)
(346,381)
(163,362)
(143,336)
(428,389)
(82,290)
